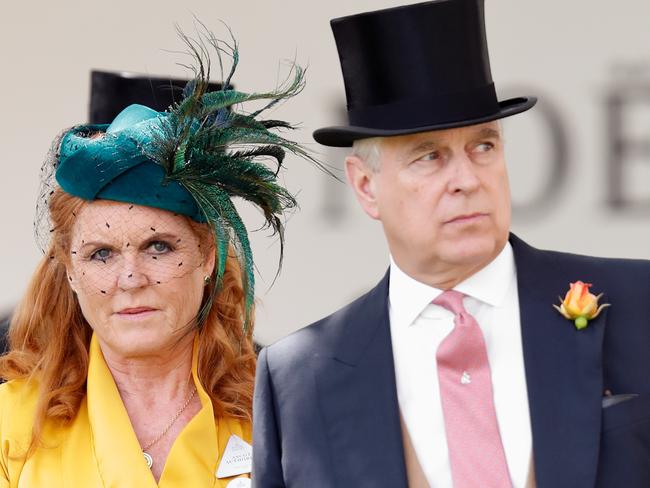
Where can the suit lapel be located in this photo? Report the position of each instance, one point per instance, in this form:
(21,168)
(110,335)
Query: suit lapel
(358,398)
(563,372)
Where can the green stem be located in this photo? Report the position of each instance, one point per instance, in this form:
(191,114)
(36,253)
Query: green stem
(581,322)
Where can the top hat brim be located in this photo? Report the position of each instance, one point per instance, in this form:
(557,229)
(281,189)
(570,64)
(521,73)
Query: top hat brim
(344,136)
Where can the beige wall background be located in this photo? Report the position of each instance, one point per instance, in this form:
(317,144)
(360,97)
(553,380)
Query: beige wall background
(571,54)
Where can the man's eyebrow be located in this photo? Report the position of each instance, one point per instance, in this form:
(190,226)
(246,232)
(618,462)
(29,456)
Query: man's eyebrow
(431,144)
(422,147)
(488,133)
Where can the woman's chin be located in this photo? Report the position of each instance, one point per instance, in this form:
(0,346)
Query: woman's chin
(140,336)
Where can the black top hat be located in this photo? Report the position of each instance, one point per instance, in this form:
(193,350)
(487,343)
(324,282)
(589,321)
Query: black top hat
(112,92)
(416,68)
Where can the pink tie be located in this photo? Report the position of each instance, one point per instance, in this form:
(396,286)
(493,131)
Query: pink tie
(475,449)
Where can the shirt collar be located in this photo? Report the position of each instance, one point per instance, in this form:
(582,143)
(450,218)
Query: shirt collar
(408,297)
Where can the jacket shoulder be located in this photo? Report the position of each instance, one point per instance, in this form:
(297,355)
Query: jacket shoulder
(612,271)
(18,400)
(605,262)
(584,267)
(18,394)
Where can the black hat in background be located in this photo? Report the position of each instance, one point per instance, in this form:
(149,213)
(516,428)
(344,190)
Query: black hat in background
(111,92)
(416,68)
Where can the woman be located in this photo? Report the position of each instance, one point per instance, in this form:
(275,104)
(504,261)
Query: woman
(131,360)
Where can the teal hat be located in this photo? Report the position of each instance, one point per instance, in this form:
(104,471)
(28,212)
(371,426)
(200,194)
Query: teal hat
(111,162)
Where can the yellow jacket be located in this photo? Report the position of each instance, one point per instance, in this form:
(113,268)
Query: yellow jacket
(99,448)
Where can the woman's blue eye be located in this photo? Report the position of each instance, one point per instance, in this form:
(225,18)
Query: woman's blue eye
(160,247)
(101,254)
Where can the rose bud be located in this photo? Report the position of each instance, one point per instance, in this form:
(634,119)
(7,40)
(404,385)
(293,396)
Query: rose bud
(579,305)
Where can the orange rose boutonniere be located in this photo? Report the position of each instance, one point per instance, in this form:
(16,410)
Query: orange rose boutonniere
(579,305)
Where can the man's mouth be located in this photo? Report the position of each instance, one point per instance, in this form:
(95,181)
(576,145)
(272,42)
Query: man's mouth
(466,218)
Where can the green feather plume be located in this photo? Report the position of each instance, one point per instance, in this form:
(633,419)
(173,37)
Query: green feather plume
(217,153)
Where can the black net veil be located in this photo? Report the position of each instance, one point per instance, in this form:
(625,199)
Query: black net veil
(43,227)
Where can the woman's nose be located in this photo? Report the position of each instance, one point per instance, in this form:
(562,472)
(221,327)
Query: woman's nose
(132,274)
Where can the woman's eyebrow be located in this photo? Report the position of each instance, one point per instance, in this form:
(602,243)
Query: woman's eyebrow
(156,236)
(86,244)
(162,236)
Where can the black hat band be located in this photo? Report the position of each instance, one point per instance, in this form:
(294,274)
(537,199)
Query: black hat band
(416,112)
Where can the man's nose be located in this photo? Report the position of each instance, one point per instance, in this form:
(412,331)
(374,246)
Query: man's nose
(463,177)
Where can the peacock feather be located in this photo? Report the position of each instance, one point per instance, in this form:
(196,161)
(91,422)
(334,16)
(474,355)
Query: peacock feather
(218,153)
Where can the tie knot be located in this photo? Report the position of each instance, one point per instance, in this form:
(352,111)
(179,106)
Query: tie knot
(452,300)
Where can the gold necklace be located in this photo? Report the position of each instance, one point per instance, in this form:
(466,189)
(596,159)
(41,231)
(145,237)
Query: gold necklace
(146,455)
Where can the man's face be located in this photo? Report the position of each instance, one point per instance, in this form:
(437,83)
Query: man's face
(442,197)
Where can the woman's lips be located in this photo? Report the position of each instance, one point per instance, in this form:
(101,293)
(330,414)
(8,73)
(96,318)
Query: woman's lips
(136,312)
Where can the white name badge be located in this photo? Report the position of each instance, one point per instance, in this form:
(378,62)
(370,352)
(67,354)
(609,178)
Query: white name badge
(240,483)
(237,459)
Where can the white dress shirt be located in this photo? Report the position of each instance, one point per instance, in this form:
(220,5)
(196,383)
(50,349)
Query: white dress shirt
(417,328)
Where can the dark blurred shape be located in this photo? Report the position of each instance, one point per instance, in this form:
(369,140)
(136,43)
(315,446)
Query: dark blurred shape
(555,137)
(111,92)
(4,327)
(627,106)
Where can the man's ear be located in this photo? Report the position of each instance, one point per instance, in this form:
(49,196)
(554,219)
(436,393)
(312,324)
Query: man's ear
(362,179)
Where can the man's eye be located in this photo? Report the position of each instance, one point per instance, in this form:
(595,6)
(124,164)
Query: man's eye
(432,156)
(101,254)
(159,247)
(485,147)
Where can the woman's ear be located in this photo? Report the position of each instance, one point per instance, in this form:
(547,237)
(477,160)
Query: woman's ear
(72,282)
(210,260)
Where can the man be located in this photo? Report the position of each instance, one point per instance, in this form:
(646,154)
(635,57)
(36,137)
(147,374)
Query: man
(455,370)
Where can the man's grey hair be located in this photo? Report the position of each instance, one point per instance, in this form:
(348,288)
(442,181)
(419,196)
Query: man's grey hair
(369,151)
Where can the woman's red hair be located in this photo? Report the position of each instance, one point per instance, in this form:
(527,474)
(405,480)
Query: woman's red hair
(49,337)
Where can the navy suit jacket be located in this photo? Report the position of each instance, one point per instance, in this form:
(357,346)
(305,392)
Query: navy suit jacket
(326,412)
